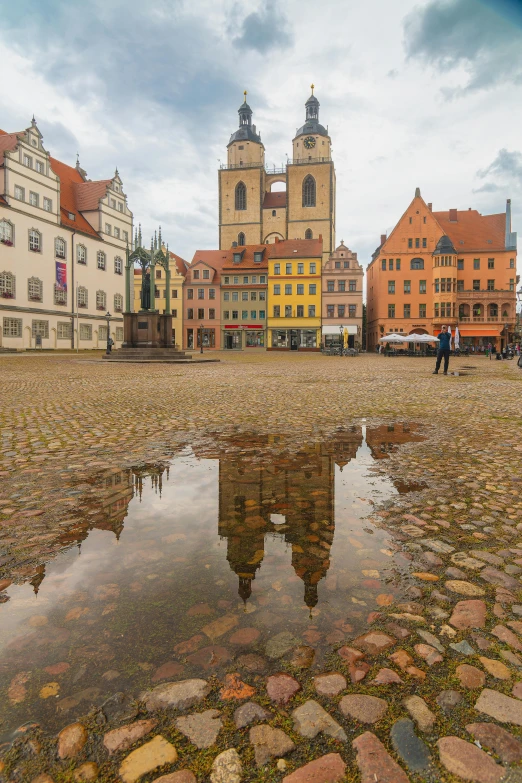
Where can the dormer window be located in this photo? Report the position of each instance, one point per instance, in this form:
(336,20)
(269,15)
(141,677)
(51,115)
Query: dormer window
(237,258)
(206,274)
(258,257)
(196,274)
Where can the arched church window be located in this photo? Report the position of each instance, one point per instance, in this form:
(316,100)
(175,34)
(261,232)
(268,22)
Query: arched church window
(309,191)
(241,196)
(309,234)
(240,238)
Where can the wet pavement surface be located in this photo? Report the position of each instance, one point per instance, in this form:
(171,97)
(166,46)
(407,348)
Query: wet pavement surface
(246,605)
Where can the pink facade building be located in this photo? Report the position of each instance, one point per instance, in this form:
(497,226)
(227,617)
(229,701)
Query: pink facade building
(202,300)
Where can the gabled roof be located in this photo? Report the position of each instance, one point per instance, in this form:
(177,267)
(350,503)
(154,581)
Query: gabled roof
(473,231)
(290,248)
(69,177)
(274,199)
(247,257)
(212,258)
(88,194)
(180,263)
(8,142)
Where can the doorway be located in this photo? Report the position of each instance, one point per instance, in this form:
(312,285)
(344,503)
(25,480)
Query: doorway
(294,340)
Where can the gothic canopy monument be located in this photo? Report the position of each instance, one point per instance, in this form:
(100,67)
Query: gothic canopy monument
(147,328)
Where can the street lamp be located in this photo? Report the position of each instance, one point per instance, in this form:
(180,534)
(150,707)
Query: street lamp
(201,338)
(109,346)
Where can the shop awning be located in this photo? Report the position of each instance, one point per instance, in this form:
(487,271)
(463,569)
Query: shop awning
(350,328)
(484,331)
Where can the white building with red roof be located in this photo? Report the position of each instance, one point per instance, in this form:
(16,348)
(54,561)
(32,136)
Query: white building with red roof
(63,241)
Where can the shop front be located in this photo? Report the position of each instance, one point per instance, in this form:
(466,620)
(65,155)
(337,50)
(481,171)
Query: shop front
(294,339)
(334,334)
(479,339)
(208,336)
(243,337)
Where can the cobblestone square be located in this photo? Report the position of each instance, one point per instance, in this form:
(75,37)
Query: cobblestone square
(401,663)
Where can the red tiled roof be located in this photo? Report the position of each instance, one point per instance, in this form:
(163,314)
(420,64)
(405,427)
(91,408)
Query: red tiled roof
(472,231)
(274,199)
(180,263)
(88,194)
(304,248)
(8,142)
(212,258)
(247,257)
(69,177)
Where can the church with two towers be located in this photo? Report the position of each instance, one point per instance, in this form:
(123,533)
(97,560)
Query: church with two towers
(251,212)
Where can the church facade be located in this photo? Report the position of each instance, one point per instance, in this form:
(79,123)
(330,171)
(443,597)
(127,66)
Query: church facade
(251,213)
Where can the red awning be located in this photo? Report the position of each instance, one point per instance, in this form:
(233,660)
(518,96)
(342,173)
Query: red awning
(485,331)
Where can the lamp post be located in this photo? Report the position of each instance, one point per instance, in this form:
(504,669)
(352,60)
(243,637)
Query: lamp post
(108,317)
(201,338)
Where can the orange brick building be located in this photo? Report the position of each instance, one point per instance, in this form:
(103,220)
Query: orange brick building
(453,267)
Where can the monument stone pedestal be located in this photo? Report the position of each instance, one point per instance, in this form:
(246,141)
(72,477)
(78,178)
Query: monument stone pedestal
(147,329)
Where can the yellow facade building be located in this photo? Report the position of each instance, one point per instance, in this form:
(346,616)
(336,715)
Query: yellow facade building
(294,295)
(251,212)
(178,270)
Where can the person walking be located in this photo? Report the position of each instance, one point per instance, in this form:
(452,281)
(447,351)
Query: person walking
(444,350)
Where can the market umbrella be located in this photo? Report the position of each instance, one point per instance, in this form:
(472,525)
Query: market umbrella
(457,338)
(425,338)
(393,338)
(345,337)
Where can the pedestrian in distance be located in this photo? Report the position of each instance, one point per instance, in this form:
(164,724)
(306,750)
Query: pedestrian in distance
(444,350)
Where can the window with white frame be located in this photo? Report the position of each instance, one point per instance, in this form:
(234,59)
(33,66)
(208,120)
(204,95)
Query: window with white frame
(39,166)
(118,265)
(28,161)
(101,259)
(117,233)
(63,330)
(102,333)
(59,247)
(85,332)
(12,327)
(108,228)
(35,289)
(101,300)
(48,204)
(7,285)
(118,303)
(6,232)
(81,254)
(120,206)
(35,241)
(34,198)
(40,329)
(60,295)
(82,298)
(19,193)
(113,203)
(119,334)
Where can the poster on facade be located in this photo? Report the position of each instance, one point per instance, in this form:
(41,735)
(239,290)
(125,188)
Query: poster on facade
(61,276)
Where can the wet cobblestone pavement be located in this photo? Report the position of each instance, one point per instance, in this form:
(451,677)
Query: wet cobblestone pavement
(296,568)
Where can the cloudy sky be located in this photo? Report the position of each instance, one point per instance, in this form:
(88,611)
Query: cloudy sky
(425,93)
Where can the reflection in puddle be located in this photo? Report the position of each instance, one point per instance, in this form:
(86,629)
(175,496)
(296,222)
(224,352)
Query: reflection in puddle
(181,570)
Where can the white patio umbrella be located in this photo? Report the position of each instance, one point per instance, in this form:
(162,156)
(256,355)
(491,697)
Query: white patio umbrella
(393,338)
(457,338)
(425,338)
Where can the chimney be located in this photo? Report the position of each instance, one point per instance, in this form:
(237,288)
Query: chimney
(453,216)
(277,239)
(430,206)
(417,192)
(320,237)
(234,244)
(383,239)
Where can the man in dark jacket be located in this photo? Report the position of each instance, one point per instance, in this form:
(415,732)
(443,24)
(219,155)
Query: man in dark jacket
(444,350)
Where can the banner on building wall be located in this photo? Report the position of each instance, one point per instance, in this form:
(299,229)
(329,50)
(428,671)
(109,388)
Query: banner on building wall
(61,276)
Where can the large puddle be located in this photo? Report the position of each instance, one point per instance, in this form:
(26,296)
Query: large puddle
(190,569)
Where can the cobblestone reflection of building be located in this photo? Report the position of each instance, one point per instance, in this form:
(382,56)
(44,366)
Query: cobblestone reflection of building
(291,495)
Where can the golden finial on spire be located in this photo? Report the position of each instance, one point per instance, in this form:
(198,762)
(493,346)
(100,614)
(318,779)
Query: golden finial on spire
(312,86)
(245,94)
